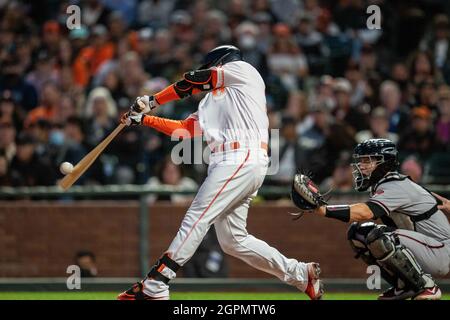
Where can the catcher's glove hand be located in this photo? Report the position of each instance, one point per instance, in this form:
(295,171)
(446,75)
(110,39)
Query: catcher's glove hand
(305,194)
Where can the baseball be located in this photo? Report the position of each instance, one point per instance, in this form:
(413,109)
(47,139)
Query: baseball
(66,167)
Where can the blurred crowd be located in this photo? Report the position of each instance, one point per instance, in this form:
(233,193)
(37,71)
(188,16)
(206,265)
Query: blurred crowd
(330,83)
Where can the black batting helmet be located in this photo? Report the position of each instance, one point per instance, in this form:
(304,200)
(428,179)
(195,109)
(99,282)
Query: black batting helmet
(383,151)
(220,56)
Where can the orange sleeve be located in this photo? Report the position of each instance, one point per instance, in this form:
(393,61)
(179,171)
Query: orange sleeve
(80,67)
(168,126)
(167,95)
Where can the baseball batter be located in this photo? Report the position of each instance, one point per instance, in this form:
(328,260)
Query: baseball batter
(233,119)
(413,244)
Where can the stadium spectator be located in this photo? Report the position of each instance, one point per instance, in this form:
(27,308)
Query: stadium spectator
(247,39)
(155,14)
(86,261)
(310,41)
(27,167)
(288,152)
(90,58)
(6,179)
(101,115)
(344,111)
(45,71)
(443,121)
(379,127)
(419,139)
(94,12)
(437,42)
(412,168)
(73,149)
(10,112)
(7,140)
(285,58)
(342,178)
(390,98)
(51,37)
(47,110)
(170,174)
(12,79)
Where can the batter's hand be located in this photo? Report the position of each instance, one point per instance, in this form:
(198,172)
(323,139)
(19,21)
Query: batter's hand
(445,206)
(131,118)
(144,104)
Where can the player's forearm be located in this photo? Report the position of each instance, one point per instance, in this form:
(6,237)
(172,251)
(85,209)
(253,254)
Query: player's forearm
(360,212)
(347,213)
(187,128)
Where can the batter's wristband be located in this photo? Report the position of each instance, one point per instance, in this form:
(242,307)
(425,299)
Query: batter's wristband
(340,212)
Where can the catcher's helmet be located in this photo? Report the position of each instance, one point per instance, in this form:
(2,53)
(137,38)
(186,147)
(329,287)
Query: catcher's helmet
(383,151)
(220,56)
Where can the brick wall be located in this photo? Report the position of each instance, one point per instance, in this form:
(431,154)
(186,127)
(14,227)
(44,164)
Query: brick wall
(40,239)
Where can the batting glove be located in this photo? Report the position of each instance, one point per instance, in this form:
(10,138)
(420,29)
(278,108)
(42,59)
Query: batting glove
(144,104)
(131,118)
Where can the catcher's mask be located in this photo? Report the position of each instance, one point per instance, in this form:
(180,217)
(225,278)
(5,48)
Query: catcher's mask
(372,160)
(220,56)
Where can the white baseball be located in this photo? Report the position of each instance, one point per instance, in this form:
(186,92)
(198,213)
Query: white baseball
(66,167)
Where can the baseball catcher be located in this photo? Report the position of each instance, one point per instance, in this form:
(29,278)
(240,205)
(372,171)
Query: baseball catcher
(413,243)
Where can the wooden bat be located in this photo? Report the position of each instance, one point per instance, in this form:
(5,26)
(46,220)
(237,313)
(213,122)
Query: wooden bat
(88,159)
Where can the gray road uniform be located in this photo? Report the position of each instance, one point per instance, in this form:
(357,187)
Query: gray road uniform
(419,225)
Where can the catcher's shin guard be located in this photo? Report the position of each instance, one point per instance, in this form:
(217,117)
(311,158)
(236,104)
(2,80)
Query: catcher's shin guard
(164,270)
(385,247)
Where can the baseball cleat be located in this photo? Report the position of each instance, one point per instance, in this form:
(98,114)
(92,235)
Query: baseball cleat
(136,292)
(433,293)
(394,293)
(315,286)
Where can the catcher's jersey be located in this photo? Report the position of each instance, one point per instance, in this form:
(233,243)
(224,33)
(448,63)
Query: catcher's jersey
(396,199)
(236,109)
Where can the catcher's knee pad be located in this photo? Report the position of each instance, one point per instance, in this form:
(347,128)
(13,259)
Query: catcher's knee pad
(385,247)
(164,269)
(381,242)
(356,235)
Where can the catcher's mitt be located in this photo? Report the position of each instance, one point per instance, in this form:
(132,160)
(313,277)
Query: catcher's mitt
(305,194)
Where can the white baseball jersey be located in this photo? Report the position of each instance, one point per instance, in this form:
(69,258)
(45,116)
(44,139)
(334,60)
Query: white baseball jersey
(235,111)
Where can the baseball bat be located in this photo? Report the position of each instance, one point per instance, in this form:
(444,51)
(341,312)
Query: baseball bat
(88,159)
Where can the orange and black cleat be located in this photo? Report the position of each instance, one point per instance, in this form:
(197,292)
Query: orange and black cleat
(136,292)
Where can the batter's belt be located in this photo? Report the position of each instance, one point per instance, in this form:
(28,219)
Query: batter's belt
(234,145)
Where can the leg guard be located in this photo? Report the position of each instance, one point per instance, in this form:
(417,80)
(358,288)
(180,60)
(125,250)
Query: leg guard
(356,235)
(164,270)
(385,247)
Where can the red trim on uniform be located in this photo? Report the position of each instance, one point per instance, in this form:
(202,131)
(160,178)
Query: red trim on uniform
(422,243)
(214,78)
(212,201)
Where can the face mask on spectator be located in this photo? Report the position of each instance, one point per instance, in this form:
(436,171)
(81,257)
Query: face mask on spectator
(56,138)
(247,42)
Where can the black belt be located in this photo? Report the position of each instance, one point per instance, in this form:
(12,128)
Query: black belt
(425,215)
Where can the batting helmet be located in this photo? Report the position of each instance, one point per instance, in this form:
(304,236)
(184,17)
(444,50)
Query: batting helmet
(220,56)
(383,151)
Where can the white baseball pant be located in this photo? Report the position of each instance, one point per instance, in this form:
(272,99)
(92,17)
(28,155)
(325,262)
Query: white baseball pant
(223,199)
